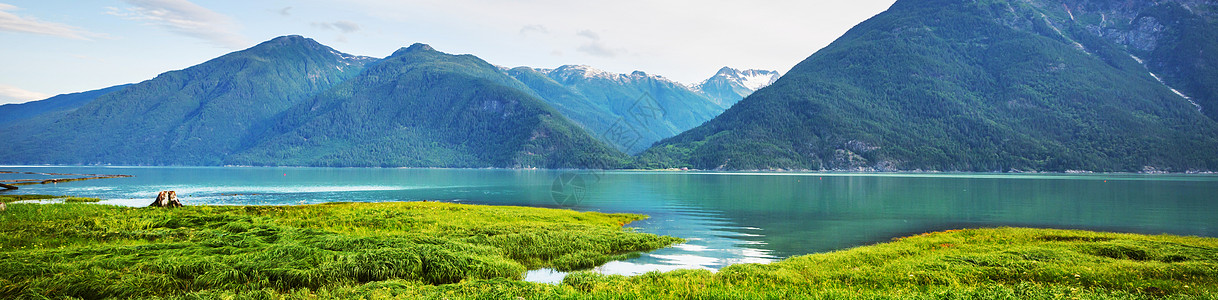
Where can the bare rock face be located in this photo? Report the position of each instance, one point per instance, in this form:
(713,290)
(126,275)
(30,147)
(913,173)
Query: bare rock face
(167,199)
(1146,35)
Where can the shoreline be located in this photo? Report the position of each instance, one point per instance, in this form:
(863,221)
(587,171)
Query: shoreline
(975,263)
(12,184)
(670,170)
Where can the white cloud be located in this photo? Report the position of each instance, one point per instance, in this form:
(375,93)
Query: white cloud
(595,47)
(15,23)
(589,34)
(344,26)
(12,94)
(533,28)
(186,18)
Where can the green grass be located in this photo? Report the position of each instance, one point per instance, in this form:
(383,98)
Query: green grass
(81,200)
(15,198)
(438,251)
(95,251)
(1003,263)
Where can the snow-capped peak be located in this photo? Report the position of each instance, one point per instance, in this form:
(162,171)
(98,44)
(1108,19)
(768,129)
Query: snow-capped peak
(585,71)
(751,79)
(729,85)
(569,73)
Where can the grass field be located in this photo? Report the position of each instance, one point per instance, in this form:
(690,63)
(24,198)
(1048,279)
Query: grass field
(438,250)
(97,251)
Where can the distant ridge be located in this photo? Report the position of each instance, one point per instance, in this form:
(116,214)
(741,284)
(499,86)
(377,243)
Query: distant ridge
(602,101)
(196,116)
(51,109)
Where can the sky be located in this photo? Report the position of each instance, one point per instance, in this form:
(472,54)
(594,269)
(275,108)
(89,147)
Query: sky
(50,47)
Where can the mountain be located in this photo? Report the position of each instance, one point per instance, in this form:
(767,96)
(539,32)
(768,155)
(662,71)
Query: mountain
(195,116)
(1177,40)
(628,111)
(958,85)
(423,108)
(729,85)
(51,109)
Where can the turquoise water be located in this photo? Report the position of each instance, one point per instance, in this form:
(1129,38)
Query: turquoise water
(728,218)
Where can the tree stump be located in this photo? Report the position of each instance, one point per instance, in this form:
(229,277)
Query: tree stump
(166,199)
(2,207)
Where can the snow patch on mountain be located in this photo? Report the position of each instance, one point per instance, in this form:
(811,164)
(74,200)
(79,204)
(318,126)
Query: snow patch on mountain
(751,79)
(349,59)
(756,79)
(730,85)
(1178,93)
(569,73)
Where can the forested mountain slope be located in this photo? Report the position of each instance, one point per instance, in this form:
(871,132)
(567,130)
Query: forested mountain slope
(958,85)
(423,108)
(51,109)
(646,108)
(195,116)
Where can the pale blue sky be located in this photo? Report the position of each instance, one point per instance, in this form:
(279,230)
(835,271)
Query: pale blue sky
(59,46)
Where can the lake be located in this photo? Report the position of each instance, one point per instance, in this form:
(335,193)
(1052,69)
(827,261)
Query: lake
(728,218)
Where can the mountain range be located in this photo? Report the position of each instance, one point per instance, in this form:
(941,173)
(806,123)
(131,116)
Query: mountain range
(935,85)
(646,108)
(293,101)
(423,108)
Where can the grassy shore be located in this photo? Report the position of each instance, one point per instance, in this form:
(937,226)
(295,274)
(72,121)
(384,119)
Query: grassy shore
(15,198)
(97,251)
(437,250)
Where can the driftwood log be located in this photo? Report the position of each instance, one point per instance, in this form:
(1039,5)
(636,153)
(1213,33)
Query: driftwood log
(166,199)
(7,187)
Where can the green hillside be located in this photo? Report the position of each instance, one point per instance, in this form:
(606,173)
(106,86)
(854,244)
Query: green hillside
(51,109)
(423,108)
(1176,39)
(957,85)
(195,116)
(647,108)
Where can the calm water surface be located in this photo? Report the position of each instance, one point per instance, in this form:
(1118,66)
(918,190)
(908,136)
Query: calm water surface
(728,218)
